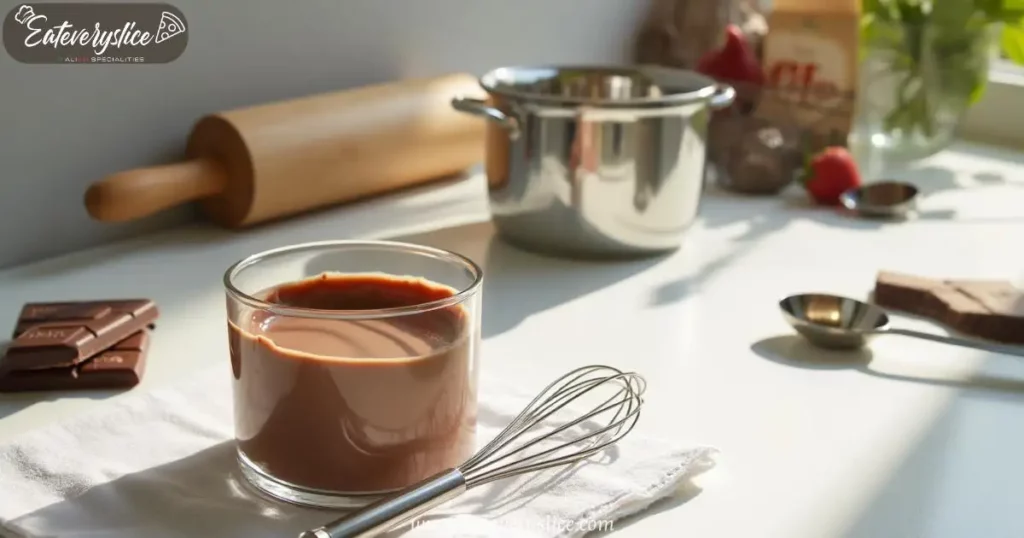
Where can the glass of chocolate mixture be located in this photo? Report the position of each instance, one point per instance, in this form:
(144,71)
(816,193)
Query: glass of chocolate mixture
(354,367)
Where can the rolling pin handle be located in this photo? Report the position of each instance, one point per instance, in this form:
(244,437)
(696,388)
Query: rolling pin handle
(145,191)
(478,107)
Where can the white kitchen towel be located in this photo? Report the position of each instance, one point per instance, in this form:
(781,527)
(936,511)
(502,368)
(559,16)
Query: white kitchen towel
(160,464)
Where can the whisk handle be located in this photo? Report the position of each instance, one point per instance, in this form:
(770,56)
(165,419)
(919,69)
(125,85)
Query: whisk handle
(396,510)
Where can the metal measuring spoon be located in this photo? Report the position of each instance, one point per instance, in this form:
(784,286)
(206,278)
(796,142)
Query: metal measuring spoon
(884,199)
(834,322)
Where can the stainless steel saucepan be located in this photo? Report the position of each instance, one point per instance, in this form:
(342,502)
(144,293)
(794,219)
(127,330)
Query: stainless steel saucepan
(596,161)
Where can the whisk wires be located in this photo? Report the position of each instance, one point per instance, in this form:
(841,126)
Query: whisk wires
(507,454)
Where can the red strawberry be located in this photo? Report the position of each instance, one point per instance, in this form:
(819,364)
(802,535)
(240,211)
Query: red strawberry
(831,173)
(735,61)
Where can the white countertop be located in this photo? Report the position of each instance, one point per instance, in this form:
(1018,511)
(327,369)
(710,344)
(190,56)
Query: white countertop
(926,441)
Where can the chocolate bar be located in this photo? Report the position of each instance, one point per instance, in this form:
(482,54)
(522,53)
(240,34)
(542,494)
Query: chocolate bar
(121,366)
(988,309)
(59,335)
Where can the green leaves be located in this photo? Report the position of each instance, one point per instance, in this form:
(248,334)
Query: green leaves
(1001,11)
(1011,41)
(885,10)
(921,11)
(952,14)
(937,50)
(915,11)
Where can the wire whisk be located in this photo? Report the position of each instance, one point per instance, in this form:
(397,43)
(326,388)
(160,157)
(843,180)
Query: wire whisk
(538,438)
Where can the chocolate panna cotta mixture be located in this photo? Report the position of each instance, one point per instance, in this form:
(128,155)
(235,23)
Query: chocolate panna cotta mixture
(354,405)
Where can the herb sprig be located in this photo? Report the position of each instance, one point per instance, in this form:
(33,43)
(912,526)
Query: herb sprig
(938,49)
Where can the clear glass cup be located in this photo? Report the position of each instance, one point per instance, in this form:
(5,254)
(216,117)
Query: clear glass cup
(354,367)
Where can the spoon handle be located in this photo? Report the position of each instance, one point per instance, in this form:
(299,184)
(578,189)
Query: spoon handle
(962,342)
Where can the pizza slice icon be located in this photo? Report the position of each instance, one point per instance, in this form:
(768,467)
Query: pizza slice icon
(170,26)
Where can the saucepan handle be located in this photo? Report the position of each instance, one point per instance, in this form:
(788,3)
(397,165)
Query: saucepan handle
(723,97)
(479,107)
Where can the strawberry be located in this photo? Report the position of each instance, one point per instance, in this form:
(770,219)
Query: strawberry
(829,174)
(734,62)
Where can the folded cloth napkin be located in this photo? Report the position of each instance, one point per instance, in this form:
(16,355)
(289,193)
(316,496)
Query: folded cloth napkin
(160,464)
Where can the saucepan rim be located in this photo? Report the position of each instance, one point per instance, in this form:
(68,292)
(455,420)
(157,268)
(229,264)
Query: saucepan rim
(700,89)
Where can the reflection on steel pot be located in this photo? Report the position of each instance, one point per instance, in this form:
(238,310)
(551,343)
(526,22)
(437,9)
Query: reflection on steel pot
(596,161)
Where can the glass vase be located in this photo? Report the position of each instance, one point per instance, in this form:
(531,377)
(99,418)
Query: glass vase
(916,83)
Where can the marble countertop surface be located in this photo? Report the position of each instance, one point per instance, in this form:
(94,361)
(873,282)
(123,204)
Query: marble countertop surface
(922,440)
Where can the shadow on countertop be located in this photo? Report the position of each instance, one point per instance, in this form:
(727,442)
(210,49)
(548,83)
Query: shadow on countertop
(763,216)
(766,214)
(932,180)
(14,402)
(793,351)
(210,496)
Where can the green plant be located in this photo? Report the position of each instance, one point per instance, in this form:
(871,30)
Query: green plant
(938,49)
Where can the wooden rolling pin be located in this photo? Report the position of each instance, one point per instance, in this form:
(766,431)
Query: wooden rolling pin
(265,162)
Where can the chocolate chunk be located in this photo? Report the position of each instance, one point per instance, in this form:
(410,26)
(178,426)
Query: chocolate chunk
(113,369)
(910,294)
(60,314)
(50,337)
(59,311)
(54,335)
(121,366)
(135,342)
(988,309)
(37,380)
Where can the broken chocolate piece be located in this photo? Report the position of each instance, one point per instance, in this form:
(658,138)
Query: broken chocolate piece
(988,309)
(914,295)
(119,367)
(54,335)
(59,314)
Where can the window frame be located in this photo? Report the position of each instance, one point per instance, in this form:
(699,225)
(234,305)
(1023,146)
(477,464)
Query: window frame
(998,118)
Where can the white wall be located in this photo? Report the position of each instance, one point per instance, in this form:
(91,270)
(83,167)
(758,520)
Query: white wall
(63,126)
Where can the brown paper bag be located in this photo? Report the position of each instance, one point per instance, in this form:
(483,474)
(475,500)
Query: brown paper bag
(810,62)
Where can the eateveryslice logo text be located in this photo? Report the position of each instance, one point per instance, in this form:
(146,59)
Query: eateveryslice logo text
(95,33)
